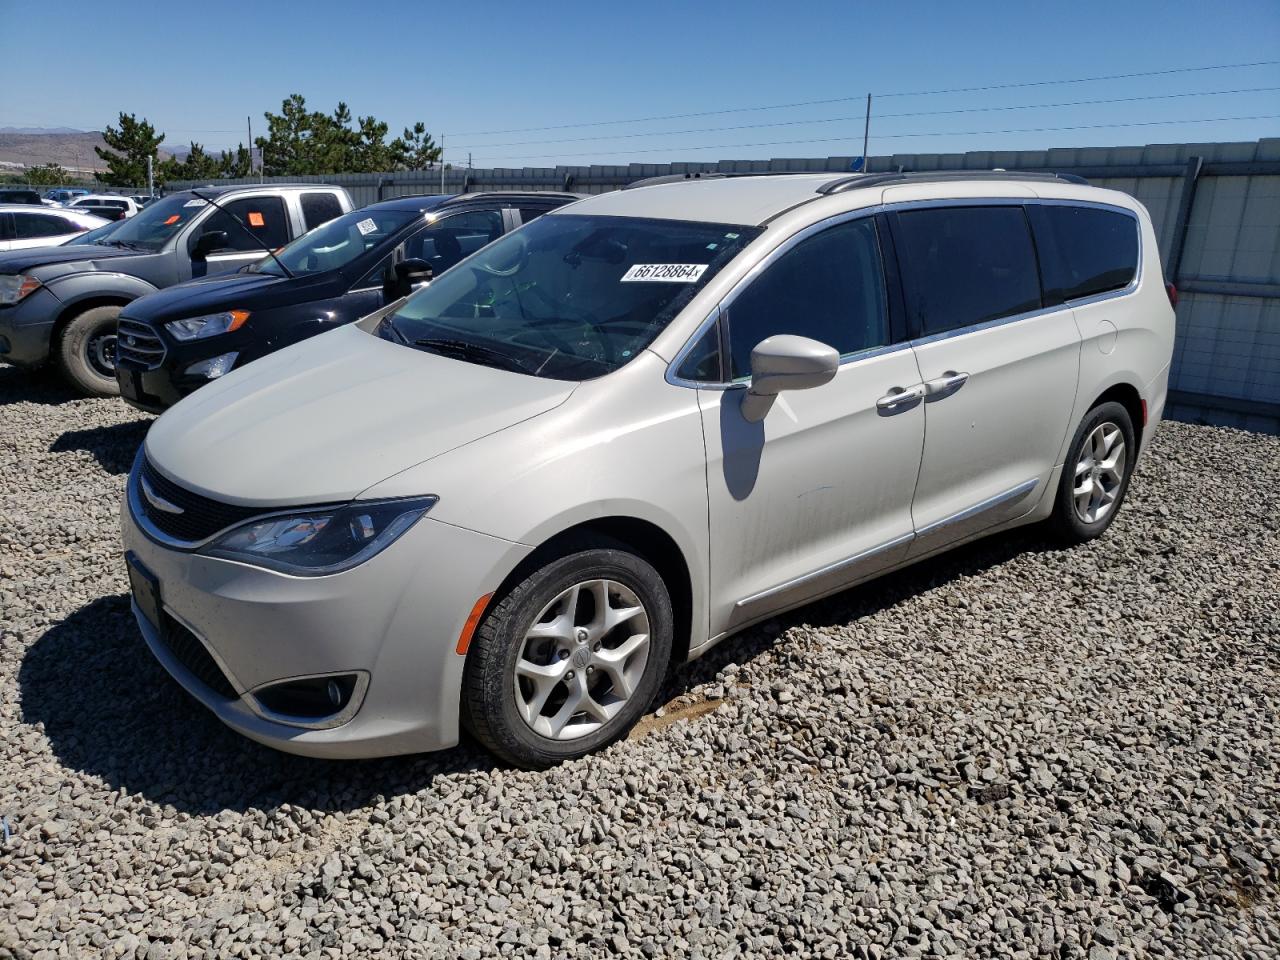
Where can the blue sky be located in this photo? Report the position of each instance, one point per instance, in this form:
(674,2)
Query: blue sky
(469,68)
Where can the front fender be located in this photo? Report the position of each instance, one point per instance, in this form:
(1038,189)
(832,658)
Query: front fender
(98,285)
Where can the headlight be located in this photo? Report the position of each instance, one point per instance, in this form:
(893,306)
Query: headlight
(311,543)
(197,328)
(15,286)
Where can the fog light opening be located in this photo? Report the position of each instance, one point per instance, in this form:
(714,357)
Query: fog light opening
(310,698)
(214,367)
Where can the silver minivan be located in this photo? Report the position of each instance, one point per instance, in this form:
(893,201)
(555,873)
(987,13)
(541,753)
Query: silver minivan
(629,429)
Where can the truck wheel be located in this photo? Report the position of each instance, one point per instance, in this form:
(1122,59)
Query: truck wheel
(86,353)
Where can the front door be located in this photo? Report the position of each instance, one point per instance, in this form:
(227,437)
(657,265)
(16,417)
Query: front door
(250,224)
(818,493)
(999,371)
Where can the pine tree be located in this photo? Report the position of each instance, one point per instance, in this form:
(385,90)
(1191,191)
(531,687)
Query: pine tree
(131,145)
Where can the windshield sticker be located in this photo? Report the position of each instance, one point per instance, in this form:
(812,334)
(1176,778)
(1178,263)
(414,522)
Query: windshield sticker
(196,203)
(366,227)
(172,220)
(665,272)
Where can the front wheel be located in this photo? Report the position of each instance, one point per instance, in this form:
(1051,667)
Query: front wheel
(569,659)
(1096,474)
(86,353)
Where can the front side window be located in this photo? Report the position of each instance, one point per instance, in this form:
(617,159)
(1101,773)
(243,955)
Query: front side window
(30,226)
(567,297)
(1084,251)
(966,265)
(263,216)
(338,242)
(828,287)
(449,239)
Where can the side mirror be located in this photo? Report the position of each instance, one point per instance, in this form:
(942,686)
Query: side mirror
(407,275)
(208,242)
(786,362)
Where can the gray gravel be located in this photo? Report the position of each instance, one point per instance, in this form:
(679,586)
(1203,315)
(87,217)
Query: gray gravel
(1010,751)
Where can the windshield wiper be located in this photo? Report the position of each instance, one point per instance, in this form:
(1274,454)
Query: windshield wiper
(466,350)
(122,244)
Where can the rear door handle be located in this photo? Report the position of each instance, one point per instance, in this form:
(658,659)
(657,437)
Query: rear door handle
(946,384)
(900,397)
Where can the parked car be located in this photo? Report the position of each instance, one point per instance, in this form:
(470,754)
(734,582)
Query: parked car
(61,303)
(630,429)
(23,226)
(19,196)
(64,195)
(178,339)
(110,201)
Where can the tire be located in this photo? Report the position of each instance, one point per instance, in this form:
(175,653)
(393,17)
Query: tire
(1080,518)
(79,357)
(573,657)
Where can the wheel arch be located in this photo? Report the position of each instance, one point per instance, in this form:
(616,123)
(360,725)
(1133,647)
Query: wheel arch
(1129,397)
(72,310)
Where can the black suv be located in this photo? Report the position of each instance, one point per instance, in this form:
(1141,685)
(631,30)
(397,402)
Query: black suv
(175,341)
(61,303)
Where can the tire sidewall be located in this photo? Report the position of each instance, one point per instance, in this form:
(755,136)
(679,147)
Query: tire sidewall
(72,351)
(503,634)
(1072,525)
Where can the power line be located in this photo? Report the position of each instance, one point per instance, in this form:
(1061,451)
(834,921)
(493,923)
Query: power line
(859,97)
(878,116)
(902,136)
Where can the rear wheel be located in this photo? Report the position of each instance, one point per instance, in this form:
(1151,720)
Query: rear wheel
(1096,474)
(86,354)
(569,659)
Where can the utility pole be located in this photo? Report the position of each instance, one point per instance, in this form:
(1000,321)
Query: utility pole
(151,179)
(866,136)
(442,163)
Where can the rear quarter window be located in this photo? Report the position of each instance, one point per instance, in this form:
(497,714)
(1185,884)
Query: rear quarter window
(319,208)
(1084,251)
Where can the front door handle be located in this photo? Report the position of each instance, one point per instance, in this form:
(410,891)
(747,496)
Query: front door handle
(946,384)
(900,397)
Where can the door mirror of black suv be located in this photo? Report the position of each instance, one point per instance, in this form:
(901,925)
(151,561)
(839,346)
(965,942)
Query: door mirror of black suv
(209,241)
(408,274)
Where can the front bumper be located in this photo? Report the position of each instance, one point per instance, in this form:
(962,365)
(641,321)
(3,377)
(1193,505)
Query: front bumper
(395,619)
(26,328)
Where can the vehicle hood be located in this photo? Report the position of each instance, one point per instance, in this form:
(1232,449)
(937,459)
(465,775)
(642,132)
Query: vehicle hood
(83,256)
(237,291)
(325,419)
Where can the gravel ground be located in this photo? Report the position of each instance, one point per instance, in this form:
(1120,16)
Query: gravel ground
(1010,751)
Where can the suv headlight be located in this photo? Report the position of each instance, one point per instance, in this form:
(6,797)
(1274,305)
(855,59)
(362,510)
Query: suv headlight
(210,325)
(15,286)
(312,543)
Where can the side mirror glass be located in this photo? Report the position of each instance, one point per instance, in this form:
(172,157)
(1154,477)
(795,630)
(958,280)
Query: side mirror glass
(786,362)
(208,242)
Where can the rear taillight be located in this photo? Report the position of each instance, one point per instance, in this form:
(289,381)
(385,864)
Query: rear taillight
(1172,291)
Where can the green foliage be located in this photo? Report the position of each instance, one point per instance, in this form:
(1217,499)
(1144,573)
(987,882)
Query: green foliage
(199,165)
(47,175)
(131,144)
(302,142)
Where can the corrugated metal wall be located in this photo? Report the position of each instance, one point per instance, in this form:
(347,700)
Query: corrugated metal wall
(1216,209)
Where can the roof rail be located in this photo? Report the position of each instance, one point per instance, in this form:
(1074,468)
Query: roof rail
(860,180)
(718,175)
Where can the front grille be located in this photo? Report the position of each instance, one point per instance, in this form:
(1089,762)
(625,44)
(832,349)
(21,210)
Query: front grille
(191,653)
(138,344)
(200,517)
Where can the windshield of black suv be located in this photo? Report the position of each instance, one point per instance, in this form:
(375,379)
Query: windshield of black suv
(152,227)
(338,242)
(567,297)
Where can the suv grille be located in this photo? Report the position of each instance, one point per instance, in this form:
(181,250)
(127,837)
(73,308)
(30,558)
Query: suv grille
(138,344)
(191,653)
(200,518)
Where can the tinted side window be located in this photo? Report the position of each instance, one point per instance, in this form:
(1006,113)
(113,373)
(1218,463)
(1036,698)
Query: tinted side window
(702,363)
(319,208)
(1084,250)
(829,287)
(28,226)
(264,216)
(532,213)
(965,265)
(450,239)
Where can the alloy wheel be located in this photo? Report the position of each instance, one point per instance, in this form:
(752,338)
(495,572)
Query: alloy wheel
(1099,473)
(582,660)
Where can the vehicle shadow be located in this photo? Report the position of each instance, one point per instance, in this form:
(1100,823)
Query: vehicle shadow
(43,386)
(110,710)
(857,602)
(114,447)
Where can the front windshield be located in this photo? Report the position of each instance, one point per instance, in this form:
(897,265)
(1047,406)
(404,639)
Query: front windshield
(97,233)
(568,297)
(152,226)
(338,242)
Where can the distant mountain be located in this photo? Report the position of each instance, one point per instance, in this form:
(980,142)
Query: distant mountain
(74,150)
(40,130)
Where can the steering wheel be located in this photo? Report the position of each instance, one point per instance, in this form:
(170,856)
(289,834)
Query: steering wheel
(521,257)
